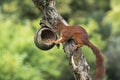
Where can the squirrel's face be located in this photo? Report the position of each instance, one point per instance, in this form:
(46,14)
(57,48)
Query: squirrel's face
(56,27)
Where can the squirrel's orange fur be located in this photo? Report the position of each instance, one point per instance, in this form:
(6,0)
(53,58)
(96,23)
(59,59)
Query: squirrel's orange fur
(80,35)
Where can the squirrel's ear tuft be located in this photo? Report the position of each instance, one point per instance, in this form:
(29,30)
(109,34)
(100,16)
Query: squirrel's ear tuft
(59,20)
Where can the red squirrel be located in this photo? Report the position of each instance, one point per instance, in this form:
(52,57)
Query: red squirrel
(80,36)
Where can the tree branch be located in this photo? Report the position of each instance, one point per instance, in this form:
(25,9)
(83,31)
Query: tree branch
(76,59)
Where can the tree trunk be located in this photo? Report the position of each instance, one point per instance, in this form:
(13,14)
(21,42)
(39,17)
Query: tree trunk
(78,63)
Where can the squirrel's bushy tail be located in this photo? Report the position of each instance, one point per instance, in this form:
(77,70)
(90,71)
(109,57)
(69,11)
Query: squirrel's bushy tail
(100,66)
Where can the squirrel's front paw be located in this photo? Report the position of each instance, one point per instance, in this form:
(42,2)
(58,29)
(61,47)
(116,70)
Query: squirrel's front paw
(56,42)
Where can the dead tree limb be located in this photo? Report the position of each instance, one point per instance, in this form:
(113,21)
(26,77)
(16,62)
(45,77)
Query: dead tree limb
(78,63)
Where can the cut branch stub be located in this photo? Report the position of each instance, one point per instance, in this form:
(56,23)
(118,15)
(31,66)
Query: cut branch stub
(44,37)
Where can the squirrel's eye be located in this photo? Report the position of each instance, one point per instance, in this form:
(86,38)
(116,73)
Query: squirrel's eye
(55,27)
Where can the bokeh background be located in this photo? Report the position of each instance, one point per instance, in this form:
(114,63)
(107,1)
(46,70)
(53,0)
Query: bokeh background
(20,59)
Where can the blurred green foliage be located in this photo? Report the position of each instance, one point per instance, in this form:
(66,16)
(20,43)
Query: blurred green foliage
(22,60)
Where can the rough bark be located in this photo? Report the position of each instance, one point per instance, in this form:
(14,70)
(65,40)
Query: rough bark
(78,63)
